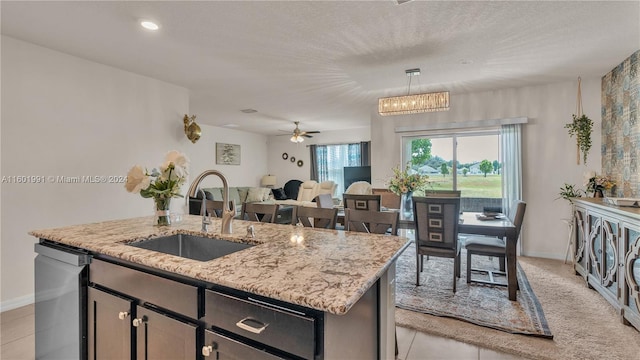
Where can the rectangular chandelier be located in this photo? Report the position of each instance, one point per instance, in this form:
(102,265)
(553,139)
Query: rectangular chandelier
(414,104)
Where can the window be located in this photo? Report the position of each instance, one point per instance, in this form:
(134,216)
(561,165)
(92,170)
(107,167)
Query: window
(331,159)
(465,161)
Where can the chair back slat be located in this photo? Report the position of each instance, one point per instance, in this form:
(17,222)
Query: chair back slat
(436,220)
(361,202)
(322,217)
(260,212)
(374,222)
(442,193)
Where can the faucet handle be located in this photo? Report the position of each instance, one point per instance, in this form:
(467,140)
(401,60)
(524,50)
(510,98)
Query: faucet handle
(251,231)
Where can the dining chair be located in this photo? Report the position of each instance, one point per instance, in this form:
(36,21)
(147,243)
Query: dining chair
(442,193)
(260,212)
(373,222)
(361,202)
(494,247)
(215,207)
(388,199)
(436,231)
(324,201)
(317,217)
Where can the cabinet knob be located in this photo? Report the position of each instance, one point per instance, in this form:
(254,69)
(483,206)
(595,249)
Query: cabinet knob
(123,315)
(207,350)
(137,322)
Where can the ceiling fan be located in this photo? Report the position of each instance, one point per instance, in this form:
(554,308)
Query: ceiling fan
(298,135)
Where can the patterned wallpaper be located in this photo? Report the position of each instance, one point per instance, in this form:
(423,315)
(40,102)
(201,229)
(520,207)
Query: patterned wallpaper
(621,126)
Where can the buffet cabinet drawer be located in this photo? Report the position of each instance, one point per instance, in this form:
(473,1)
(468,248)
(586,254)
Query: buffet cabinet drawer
(167,294)
(219,347)
(274,326)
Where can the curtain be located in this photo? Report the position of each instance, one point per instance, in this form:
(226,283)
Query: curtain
(365,153)
(330,161)
(313,156)
(511,158)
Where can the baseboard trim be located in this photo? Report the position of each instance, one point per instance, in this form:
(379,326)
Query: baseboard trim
(17,302)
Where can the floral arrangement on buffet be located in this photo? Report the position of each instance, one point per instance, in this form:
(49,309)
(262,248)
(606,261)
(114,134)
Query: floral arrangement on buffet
(598,183)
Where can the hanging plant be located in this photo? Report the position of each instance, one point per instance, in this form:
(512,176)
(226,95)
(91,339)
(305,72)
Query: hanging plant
(581,128)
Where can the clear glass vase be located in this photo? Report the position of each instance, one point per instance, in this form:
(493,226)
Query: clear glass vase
(163,215)
(406,206)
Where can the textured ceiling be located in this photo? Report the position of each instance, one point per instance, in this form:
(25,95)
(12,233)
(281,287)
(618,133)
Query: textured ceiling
(325,63)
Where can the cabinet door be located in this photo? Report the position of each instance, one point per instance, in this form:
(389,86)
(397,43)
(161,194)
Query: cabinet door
(595,248)
(609,280)
(631,293)
(109,326)
(162,337)
(580,240)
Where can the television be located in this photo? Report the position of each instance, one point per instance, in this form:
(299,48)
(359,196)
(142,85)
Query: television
(356,173)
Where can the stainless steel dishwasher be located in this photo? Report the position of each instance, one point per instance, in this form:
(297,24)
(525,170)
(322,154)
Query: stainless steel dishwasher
(60,301)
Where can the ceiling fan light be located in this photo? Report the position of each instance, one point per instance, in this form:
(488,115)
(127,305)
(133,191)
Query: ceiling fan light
(297,139)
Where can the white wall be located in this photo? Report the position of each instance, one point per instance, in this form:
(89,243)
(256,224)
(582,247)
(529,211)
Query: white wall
(285,170)
(549,155)
(65,116)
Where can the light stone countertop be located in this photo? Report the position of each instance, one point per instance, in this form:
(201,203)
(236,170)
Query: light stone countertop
(327,270)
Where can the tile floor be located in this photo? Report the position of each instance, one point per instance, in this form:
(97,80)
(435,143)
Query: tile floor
(17,338)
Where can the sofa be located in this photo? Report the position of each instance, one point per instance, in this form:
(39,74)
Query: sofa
(307,192)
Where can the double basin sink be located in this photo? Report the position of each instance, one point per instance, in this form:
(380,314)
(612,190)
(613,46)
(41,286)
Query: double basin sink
(191,246)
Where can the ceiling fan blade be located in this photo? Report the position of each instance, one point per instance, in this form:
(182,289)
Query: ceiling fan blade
(306,135)
(312,132)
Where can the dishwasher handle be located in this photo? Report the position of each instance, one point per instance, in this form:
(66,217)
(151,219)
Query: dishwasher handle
(65,255)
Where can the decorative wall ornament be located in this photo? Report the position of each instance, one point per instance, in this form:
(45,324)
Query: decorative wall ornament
(285,156)
(581,127)
(227,154)
(191,129)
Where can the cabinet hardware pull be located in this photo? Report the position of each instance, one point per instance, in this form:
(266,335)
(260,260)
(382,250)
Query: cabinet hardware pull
(137,322)
(256,330)
(208,349)
(123,315)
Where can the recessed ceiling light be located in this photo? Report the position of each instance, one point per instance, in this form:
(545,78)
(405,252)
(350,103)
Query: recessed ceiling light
(149,25)
(249,111)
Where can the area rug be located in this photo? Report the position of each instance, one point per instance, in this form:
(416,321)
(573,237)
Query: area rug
(483,305)
(585,326)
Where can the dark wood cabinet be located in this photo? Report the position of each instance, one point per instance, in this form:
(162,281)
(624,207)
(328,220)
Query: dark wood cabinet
(162,337)
(109,325)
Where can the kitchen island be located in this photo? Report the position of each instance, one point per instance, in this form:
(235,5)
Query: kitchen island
(341,283)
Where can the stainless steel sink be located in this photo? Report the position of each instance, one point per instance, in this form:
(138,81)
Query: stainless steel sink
(191,247)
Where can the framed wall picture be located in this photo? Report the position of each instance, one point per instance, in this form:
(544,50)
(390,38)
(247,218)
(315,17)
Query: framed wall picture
(227,154)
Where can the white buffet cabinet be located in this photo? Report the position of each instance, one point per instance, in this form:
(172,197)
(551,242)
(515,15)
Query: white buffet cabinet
(607,253)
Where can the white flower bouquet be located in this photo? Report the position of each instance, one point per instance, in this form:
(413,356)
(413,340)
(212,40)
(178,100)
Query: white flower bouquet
(161,184)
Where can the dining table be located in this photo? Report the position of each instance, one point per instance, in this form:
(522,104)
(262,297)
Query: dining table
(474,223)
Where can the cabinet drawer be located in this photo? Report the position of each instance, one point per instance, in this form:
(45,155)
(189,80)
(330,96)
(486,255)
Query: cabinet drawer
(220,347)
(168,294)
(271,326)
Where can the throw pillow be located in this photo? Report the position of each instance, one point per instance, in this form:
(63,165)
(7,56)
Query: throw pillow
(255,195)
(279,194)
